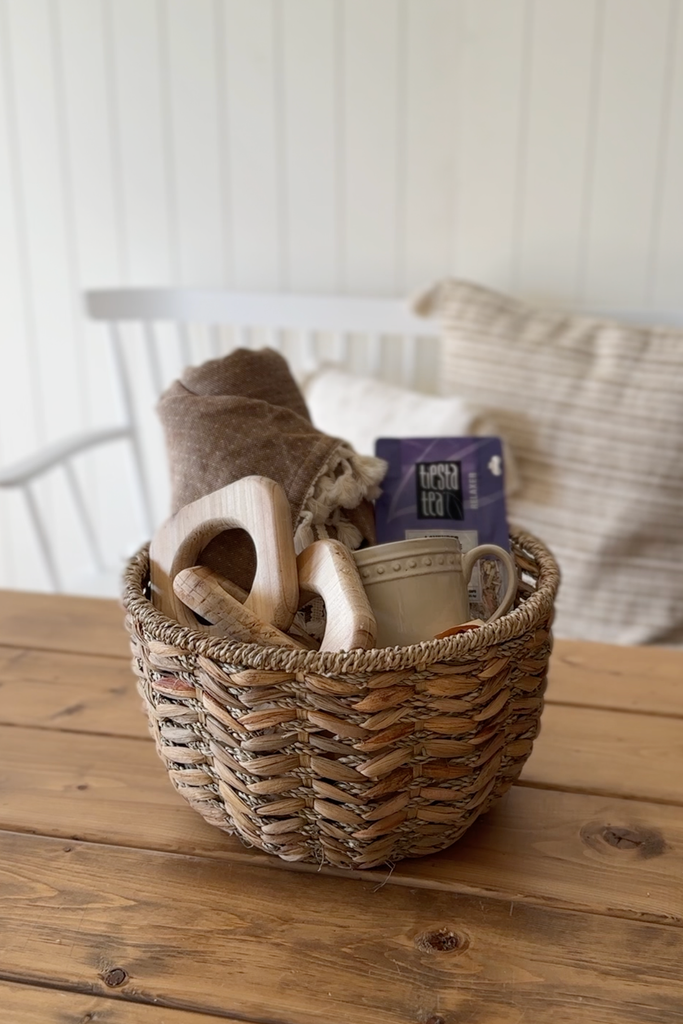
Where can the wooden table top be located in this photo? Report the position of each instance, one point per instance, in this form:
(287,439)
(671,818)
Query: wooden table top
(119,904)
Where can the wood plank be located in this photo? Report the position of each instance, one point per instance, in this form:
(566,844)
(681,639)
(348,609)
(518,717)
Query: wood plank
(28,1004)
(46,622)
(82,693)
(232,939)
(631,678)
(565,849)
(610,752)
(581,672)
(592,750)
(42,687)
(105,789)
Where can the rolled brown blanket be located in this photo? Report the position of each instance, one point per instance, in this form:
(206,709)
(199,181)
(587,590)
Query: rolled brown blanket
(243,415)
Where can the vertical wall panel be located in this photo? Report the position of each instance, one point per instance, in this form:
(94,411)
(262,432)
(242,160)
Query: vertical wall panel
(373,164)
(95,242)
(147,178)
(195,150)
(496,37)
(87,142)
(666,268)
(254,153)
(558,147)
(310,166)
(89,187)
(432,108)
(57,371)
(622,200)
(141,165)
(19,401)
(16,396)
(47,250)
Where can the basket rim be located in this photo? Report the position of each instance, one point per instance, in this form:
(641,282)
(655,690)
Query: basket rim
(463,646)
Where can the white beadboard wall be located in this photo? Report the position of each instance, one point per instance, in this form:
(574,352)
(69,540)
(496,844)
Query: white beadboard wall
(322,146)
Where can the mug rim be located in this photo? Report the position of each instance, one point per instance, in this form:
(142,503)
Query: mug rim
(408,546)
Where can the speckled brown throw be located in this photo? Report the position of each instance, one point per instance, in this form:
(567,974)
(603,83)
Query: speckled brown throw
(243,415)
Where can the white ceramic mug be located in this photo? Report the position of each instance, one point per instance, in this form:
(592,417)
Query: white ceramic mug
(419,587)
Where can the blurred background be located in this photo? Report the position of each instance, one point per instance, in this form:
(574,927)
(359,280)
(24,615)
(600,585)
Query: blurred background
(319,146)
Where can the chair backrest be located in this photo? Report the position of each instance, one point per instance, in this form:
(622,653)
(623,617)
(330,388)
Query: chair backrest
(154,333)
(117,500)
(301,325)
(165,329)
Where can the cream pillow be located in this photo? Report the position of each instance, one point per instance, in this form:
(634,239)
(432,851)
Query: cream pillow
(361,409)
(594,412)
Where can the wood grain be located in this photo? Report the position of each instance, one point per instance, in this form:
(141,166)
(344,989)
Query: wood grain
(28,1004)
(88,625)
(565,849)
(202,935)
(644,679)
(591,750)
(563,903)
(611,752)
(56,690)
(253,503)
(327,568)
(108,790)
(199,588)
(603,676)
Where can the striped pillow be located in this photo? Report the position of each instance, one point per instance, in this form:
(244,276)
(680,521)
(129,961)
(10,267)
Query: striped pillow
(593,411)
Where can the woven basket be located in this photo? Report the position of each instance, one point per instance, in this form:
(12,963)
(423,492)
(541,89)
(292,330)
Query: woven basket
(351,759)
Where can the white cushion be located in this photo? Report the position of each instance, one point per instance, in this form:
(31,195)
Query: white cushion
(361,409)
(594,412)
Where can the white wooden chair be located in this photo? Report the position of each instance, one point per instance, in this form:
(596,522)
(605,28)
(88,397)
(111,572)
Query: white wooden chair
(377,337)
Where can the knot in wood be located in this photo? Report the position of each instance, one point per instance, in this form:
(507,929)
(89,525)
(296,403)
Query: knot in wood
(622,838)
(646,842)
(442,940)
(436,1019)
(114,977)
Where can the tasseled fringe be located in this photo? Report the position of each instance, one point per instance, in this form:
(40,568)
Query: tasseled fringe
(343,482)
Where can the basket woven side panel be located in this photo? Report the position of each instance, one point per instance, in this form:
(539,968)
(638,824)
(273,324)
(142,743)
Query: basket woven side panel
(352,768)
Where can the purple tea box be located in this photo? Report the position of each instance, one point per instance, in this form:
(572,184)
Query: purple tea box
(445,487)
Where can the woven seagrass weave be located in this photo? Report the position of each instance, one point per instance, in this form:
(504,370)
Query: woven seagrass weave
(353,758)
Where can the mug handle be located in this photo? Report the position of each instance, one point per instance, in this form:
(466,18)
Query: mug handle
(481,551)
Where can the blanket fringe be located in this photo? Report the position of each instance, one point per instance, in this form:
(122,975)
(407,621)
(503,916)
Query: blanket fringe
(342,483)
